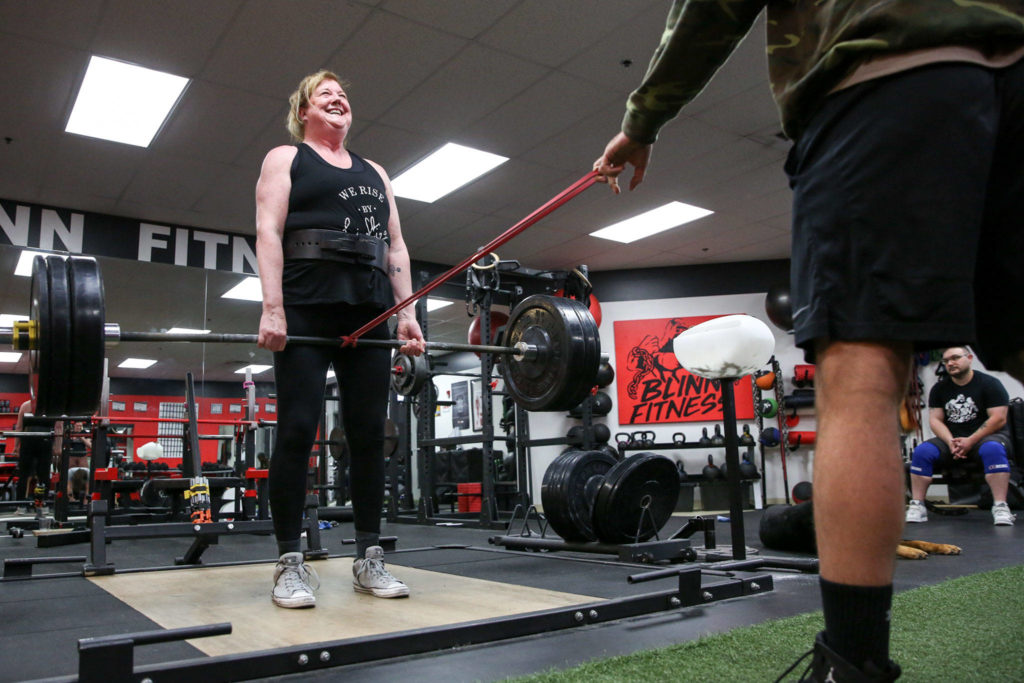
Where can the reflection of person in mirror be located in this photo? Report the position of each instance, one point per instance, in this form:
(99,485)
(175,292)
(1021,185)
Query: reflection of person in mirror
(331,258)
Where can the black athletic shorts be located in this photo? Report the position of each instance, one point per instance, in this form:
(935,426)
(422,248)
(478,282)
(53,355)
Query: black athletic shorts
(909,212)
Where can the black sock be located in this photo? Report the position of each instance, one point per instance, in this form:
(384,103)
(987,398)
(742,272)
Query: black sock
(289,546)
(364,540)
(857,622)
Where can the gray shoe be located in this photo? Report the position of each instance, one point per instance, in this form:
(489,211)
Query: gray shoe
(916,512)
(1001,515)
(292,582)
(370,576)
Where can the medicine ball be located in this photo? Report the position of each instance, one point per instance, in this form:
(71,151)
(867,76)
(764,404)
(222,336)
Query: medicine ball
(779,307)
(802,492)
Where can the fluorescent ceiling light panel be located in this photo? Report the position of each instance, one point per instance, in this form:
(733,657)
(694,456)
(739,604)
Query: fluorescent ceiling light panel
(186,330)
(8,320)
(652,222)
(256,369)
(9,356)
(330,374)
(137,363)
(123,102)
(24,267)
(444,171)
(434,304)
(246,290)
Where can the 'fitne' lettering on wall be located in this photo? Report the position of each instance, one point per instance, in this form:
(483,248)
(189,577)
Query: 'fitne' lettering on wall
(32,226)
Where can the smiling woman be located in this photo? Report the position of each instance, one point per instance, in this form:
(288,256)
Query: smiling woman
(331,258)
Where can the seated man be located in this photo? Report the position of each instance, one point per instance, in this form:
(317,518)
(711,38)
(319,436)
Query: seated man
(967,414)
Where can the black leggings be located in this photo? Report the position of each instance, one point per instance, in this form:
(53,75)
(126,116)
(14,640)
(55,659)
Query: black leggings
(364,375)
(34,460)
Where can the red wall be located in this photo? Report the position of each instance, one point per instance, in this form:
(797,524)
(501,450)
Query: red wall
(147,431)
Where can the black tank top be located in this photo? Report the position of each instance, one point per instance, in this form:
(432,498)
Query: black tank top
(350,200)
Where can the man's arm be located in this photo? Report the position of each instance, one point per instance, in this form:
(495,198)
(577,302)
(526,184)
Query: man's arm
(937,421)
(699,36)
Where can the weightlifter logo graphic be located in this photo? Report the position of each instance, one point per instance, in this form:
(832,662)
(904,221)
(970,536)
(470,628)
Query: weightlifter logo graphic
(653,387)
(961,409)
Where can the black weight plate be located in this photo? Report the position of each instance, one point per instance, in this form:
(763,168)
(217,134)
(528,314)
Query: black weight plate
(39,356)
(87,315)
(153,497)
(636,499)
(412,372)
(567,492)
(60,332)
(337,444)
(401,378)
(562,373)
(588,367)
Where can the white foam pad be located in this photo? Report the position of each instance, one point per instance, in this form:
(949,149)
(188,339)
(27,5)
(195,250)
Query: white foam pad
(730,346)
(150,451)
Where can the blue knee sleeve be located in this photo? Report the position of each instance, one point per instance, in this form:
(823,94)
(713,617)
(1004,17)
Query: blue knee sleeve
(922,462)
(993,457)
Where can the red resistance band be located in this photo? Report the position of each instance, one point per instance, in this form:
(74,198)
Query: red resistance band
(552,204)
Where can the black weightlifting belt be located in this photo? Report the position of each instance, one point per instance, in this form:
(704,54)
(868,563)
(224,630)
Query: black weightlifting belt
(332,245)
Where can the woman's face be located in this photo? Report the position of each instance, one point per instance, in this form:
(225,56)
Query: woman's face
(328,107)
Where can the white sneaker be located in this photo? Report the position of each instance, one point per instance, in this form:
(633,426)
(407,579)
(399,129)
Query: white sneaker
(1001,515)
(291,582)
(916,512)
(370,576)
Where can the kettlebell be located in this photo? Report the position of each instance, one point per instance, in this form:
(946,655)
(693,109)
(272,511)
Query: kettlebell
(648,439)
(718,439)
(679,438)
(710,471)
(748,470)
(681,467)
(637,439)
(704,440)
(746,439)
(623,439)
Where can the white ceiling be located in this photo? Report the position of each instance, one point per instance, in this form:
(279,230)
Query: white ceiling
(541,82)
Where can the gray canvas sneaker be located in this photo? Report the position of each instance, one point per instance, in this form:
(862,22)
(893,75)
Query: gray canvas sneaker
(370,576)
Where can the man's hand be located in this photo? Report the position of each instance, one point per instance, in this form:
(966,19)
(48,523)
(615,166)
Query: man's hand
(620,151)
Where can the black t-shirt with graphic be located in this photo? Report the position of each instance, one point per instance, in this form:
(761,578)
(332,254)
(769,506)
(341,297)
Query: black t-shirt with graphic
(967,406)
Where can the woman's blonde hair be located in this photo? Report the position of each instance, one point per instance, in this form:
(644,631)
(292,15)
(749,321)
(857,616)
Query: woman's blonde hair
(300,99)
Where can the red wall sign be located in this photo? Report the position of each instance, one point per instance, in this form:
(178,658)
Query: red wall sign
(654,388)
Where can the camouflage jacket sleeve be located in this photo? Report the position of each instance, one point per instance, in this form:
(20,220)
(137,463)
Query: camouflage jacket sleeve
(699,36)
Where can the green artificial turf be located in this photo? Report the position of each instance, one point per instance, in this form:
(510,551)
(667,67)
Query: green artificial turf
(966,629)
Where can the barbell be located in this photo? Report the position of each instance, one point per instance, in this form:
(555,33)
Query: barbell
(551,354)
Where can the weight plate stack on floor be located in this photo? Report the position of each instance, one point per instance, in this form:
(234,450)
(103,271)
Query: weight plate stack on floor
(636,499)
(569,489)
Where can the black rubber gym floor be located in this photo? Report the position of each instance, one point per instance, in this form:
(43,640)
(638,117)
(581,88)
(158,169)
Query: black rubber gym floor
(42,619)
